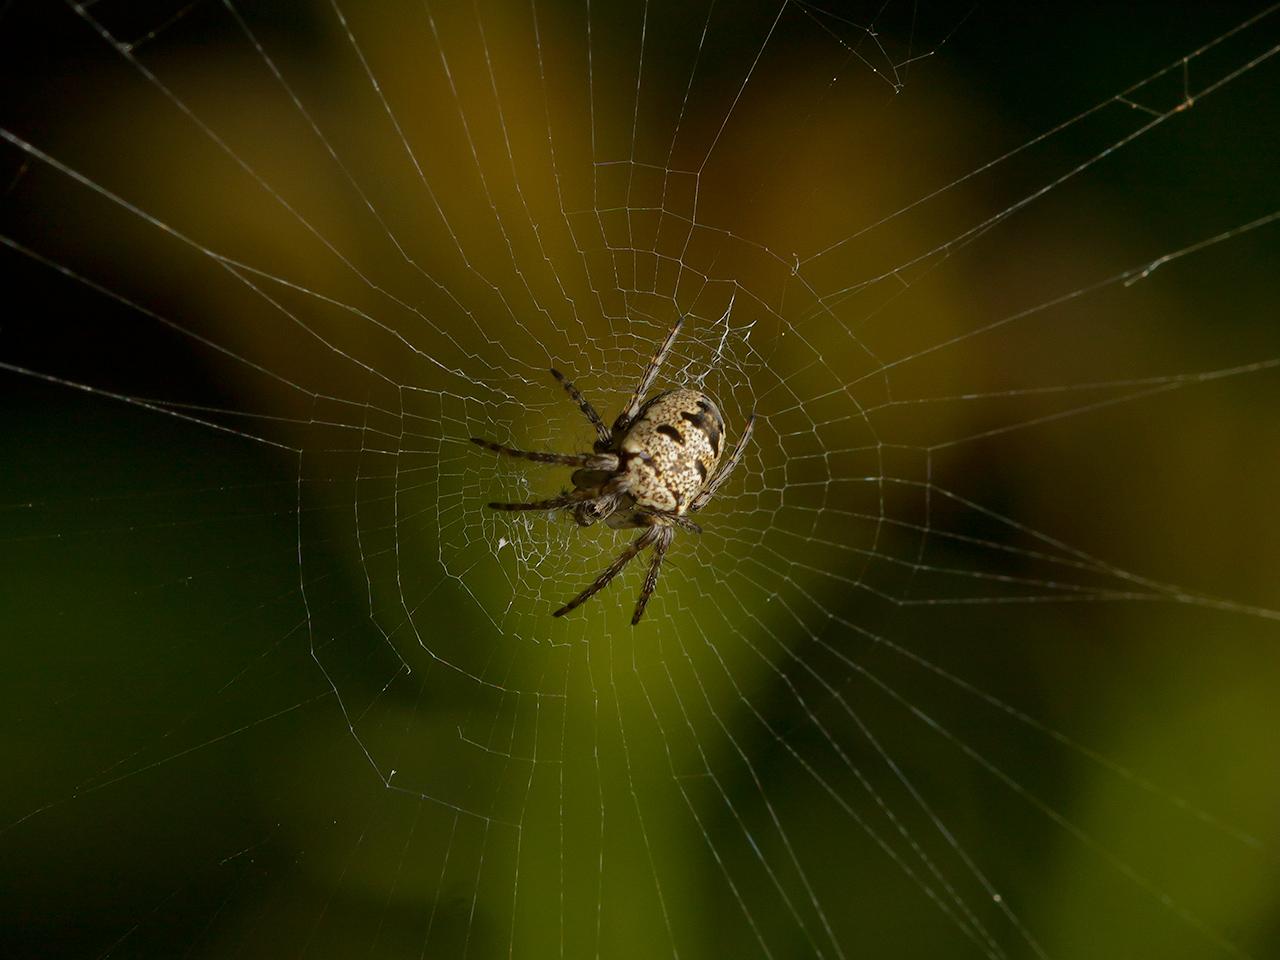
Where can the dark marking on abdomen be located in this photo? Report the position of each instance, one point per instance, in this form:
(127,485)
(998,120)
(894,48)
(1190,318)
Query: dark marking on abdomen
(706,406)
(669,431)
(701,468)
(708,425)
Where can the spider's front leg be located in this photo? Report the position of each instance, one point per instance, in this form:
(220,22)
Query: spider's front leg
(554,503)
(659,536)
(592,461)
(638,544)
(588,411)
(664,538)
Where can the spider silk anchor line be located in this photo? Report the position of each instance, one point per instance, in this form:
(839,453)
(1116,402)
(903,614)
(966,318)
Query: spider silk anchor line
(656,465)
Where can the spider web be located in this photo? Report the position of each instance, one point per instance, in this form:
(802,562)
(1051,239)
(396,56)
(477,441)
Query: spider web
(975,654)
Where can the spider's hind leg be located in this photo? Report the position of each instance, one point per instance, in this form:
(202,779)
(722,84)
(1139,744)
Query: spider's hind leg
(727,468)
(630,411)
(673,519)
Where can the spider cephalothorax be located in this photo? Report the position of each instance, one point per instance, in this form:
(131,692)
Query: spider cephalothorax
(656,465)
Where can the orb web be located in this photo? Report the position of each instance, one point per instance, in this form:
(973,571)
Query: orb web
(284,263)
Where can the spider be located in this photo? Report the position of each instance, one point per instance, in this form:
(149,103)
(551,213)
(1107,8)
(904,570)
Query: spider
(653,468)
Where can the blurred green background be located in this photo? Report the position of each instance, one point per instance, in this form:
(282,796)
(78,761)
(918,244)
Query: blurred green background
(277,685)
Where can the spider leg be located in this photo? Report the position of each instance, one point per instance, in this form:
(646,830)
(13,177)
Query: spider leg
(684,523)
(660,545)
(593,461)
(722,474)
(584,405)
(555,503)
(646,381)
(625,557)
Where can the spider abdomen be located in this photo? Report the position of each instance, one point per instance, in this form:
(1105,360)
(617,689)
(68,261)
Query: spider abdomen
(672,449)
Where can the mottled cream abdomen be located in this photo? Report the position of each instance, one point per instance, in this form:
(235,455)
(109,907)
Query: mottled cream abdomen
(672,448)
